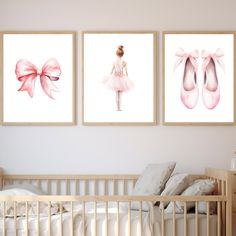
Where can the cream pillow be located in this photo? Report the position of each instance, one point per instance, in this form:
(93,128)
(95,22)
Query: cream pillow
(175,185)
(199,187)
(152,181)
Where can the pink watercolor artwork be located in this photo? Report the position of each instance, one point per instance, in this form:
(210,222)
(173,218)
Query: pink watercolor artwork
(27,73)
(210,68)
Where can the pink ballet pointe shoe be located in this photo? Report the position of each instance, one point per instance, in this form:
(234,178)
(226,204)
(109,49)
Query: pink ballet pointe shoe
(189,92)
(211,87)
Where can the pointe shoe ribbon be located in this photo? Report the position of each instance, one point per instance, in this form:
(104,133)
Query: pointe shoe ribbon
(26,72)
(183,56)
(216,57)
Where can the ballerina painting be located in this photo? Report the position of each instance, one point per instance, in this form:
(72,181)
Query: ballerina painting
(119,81)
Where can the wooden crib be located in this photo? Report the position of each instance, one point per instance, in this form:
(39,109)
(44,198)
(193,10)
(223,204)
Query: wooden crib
(96,189)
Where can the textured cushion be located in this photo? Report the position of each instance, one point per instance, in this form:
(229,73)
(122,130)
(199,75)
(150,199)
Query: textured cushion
(152,180)
(175,185)
(199,187)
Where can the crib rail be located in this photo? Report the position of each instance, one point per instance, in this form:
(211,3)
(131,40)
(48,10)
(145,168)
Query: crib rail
(4,200)
(76,184)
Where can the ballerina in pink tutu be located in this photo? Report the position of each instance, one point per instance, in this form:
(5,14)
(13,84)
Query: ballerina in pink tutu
(118,81)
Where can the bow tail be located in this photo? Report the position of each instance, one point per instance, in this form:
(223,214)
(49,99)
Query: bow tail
(28,84)
(220,63)
(48,86)
(178,62)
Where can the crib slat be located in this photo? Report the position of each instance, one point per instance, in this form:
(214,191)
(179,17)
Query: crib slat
(113,187)
(85,187)
(173,220)
(141,218)
(4,219)
(223,209)
(49,218)
(219,186)
(76,187)
(39,183)
(118,220)
(162,220)
(129,220)
(49,186)
(196,218)
(67,187)
(124,187)
(58,186)
(83,206)
(37,217)
(218,218)
(95,187)
(61,223)
(26,218)
(105,187)
(208,218)
(133,183)
(106,217)
(185,219)
(15,222)
(72,220)
(95,218)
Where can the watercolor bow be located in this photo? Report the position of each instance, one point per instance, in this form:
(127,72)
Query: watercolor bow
(216,57)
(183,56)
(27,73)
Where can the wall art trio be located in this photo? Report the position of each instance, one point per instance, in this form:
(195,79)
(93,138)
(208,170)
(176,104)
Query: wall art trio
(38,69)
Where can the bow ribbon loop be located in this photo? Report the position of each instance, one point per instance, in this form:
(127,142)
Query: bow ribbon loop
(183,56)
(26,72)
(216,57)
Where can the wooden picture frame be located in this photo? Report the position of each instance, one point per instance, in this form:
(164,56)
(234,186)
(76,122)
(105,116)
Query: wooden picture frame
(37,75)
(102,88)
(198,78)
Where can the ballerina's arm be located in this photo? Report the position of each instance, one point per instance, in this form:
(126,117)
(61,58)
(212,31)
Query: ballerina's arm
(125,69)
(113,67)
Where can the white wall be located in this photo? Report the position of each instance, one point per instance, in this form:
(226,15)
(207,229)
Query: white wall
(81,149)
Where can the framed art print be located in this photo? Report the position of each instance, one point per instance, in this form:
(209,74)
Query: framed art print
(119,78)
(38,78)
(199,85)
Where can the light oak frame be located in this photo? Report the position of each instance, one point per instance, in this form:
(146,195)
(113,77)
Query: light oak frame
(163,81)
(73,92)
(154,122)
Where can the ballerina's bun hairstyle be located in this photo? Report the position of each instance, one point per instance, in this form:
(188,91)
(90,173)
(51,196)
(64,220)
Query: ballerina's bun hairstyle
(120,51)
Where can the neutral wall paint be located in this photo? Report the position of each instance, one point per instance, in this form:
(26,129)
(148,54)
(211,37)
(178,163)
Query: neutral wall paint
(81,149)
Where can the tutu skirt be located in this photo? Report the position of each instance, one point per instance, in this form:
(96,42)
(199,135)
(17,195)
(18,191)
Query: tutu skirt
(118,83)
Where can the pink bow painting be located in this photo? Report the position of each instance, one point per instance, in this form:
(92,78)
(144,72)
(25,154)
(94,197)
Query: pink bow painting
(27,73)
